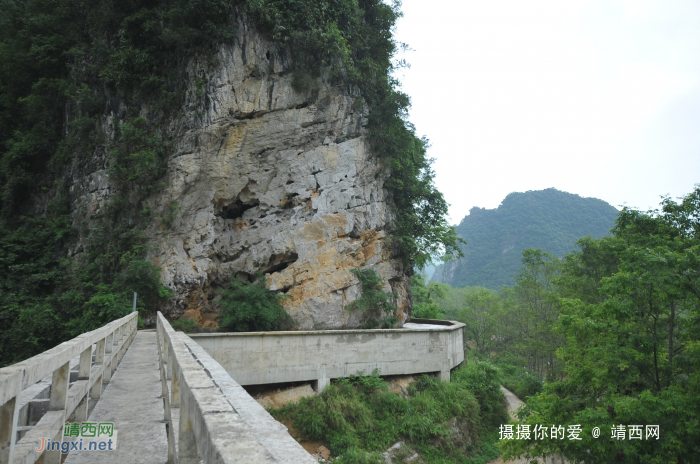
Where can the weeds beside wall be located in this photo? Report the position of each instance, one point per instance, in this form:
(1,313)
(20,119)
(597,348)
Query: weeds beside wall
(377,306)
(358,418)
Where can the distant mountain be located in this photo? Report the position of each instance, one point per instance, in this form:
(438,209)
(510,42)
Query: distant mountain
(548,219)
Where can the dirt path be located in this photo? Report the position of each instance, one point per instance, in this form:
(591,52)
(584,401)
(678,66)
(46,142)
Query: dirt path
(513,404)
(513,401)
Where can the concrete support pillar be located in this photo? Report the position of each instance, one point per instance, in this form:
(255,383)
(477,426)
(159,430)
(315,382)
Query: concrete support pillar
(322,382)
(9,413)
(187,446)
(444,375)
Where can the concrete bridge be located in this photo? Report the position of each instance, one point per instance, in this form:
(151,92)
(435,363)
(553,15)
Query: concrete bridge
(162,396)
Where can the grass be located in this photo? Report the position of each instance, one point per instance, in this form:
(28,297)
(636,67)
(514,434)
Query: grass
(358,418)
(186,325)
(515,375)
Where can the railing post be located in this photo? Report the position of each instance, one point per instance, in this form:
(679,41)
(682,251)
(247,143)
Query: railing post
(175,390)
(57,402)
(120,335)
(167,361)
(81,412)
(59,388)
(85,364)
(9,413)
(96,391)
(187,445)
(109,344)
(14,378)
(100,351)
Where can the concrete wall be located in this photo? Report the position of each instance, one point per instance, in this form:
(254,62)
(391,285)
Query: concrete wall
(253,358)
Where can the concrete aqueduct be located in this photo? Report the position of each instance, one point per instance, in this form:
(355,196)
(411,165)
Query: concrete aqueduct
(180,398)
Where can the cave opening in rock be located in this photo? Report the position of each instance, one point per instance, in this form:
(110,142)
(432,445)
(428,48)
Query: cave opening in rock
(280,262)
(236,209)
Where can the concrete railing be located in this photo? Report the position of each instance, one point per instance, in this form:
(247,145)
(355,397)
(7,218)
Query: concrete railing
(209,417)
(254,358)
(40,394)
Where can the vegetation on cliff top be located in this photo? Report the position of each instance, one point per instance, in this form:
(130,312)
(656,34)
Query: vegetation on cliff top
(66,64)
(549,219)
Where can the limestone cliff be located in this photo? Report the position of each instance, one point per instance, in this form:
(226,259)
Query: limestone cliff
(266,178)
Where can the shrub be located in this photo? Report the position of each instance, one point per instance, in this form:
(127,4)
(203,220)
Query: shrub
(376,305)
(358,417)
(251,307)
(483,379)
(515,376)
(424,306)
(186,325)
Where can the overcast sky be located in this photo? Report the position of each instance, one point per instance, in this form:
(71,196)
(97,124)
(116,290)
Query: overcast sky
(597,98)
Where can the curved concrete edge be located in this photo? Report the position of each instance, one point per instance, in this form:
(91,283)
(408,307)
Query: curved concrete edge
(256,358)
(445,326)
(273,436)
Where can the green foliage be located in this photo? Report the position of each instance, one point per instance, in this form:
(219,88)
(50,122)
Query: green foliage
(64,65)
(61,65)
(251,307)
(358,417)
(424,306)
(376,305)
(172,213)
(139,157)
(549,220)
(483,380)
(185,324)
(421,230)
(632,343)
(519,321)
(515,374)
(480,310)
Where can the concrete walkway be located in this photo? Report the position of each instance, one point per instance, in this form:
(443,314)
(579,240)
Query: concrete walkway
(132,402)
(513,401)
(513,404)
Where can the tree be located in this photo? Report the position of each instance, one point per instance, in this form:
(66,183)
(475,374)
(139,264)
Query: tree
(481,308)
(376,305)
(632,352)
(252,307)
(424,305)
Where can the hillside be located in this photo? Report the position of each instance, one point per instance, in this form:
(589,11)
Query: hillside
(174,148)
(548,219)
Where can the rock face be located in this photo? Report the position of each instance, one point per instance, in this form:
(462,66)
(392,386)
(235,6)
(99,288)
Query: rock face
(269,179)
